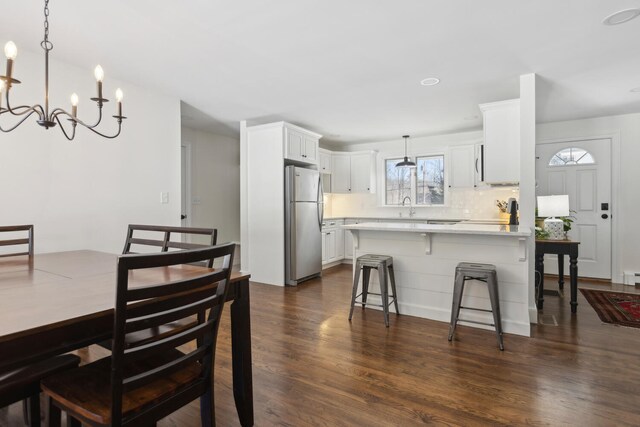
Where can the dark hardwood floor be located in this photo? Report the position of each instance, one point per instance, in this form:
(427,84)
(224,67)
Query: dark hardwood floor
(312,367)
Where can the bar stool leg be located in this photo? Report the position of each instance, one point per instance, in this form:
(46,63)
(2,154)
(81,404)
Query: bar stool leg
(458,288)
(492,283)
(384,292)
(392,279)
(356,279)
(366,274)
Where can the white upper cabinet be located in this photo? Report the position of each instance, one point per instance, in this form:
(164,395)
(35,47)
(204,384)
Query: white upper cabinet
(353,172)
(361,178)
(462,164)
(324,161)
(300,145)
(340,173)
(501,141)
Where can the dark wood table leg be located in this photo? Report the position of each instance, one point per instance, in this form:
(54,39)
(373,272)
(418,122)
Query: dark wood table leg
(241,354)
(540,270)
(573,272)
(561,271)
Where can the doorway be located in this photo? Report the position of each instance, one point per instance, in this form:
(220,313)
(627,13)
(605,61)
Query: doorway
(581,169)
(185,186)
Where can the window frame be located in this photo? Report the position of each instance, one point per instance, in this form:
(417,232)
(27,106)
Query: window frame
(382,180)
(444,180)
(586,152)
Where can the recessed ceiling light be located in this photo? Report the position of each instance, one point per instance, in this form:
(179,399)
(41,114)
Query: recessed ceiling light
(621,17)
(431,81)
(635,89)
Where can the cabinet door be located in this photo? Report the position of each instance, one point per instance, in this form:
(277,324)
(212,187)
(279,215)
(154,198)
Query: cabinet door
(294,143)
(324,247)
(360,173)
(324,161)
(340,173)
(331,246)
(502,142)
(461,166)
(310,149)
(340,243)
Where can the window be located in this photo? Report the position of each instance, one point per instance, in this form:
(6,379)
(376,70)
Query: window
(424,185)
(430,180)
(572,156)
(397,182)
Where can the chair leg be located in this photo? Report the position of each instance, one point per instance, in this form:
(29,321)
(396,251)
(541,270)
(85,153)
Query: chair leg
(392,279)
(492,283)
(55,414)
(34,410)
(458,289)
(207,408)
(356,278)
(366,275)
(384,293)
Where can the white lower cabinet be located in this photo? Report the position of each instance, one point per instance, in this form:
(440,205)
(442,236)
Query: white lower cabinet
(332,241)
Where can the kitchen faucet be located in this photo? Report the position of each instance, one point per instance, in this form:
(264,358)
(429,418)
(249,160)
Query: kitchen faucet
(412,210)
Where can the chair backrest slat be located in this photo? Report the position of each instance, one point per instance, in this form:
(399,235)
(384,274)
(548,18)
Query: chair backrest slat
(173,341)
(18,241)
(155,305)
(155,291)
(165,243)
(172,315)
(161,371)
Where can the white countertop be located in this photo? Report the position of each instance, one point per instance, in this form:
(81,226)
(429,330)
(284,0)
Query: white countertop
(460,228)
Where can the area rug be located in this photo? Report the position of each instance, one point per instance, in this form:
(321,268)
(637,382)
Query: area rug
(615,307)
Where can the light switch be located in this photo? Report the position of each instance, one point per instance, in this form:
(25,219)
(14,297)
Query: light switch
(164,198)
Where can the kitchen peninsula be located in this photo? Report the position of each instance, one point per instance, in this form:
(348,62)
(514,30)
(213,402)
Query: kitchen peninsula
(425,257)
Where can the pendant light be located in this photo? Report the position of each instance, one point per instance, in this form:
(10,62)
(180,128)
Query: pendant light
(406,163)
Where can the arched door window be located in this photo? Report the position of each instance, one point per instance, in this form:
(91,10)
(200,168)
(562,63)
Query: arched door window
(571,156)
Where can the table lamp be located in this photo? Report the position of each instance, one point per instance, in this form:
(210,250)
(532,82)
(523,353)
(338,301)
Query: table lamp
(552,207)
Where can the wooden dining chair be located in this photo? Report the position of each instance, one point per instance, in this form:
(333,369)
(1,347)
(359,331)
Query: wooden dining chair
(18,242)
(166,243)
(140,383)
(24,383)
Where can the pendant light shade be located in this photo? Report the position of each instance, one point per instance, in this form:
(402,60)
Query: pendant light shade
(405,163)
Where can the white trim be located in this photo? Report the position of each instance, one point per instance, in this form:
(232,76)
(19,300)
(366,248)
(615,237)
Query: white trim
(189,176)
(617,275)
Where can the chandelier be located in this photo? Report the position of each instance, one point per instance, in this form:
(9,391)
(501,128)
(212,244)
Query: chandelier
(49,118)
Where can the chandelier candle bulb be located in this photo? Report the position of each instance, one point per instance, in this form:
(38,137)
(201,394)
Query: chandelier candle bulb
(11,50)
(74,105)
(119,96)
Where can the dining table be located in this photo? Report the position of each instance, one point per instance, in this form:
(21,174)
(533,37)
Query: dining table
(58,302)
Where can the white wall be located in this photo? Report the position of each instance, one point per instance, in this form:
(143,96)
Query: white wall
(215,182)
(82,194)
(625,133)
(462,203)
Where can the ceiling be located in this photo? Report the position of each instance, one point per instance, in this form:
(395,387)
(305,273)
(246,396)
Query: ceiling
(351,70)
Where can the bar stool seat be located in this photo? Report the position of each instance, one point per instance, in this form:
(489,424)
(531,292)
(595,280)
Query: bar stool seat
(484,273)
(384,265)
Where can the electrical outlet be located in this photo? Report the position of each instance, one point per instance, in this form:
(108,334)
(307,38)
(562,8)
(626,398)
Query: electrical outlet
(164,198)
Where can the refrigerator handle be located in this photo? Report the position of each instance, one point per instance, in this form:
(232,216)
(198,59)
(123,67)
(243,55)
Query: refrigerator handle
(320,201)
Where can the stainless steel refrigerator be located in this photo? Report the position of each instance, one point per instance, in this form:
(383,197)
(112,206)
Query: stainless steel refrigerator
(303,223)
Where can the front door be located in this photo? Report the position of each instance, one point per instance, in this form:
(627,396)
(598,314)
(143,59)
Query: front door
(581,169)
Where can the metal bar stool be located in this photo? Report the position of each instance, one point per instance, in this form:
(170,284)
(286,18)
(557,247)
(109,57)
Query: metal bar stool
(382,263)
(485,273)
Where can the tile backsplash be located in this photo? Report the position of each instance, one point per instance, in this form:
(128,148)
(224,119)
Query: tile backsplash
(462,204)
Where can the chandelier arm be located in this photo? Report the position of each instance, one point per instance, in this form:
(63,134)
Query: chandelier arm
(108,136)
(97,122)
(64,132)
(60,111)
(19,123)
(37,108)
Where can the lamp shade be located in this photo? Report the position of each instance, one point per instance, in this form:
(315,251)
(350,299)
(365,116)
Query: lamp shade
(552,206)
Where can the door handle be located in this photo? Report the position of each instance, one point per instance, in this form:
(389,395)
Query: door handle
(183,216)
(604,216)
